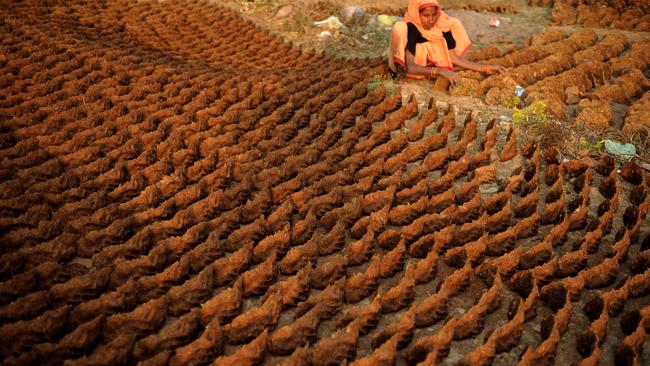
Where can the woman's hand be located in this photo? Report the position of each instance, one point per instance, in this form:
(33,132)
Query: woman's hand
(494,69)
(452,76)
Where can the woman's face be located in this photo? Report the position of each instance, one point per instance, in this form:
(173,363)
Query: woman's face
(428,17)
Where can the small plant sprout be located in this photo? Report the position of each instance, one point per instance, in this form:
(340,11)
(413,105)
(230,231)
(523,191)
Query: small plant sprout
(591,146)
(534,115)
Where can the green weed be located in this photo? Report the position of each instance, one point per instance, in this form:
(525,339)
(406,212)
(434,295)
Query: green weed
(512,103)
(591,146)
(463,88)
(534,115)
(298,24)
(386,81)
(644,360)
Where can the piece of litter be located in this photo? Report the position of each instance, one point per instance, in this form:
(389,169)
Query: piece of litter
(387,20)
(332,23)
(373,85)
(324,34)
(284,11)
(622,150)
(519,91)
(488,188)
(494,22)
(350,12)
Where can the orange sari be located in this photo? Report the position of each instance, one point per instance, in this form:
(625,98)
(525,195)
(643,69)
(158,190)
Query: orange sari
(434,52)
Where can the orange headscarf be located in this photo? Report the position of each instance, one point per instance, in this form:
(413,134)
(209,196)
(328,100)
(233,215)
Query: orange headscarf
(435,50)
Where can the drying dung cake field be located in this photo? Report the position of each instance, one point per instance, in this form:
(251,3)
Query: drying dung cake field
(562,69)
(181,187)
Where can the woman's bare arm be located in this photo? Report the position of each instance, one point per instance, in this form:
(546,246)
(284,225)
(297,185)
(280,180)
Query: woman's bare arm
(467,64)
(413,68)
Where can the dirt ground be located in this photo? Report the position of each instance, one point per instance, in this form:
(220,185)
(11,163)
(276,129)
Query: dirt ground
(363,37)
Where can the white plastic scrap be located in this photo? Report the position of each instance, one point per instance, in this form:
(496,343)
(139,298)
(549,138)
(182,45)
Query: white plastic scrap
(494,22)
(387,20)
(332,23)
(324,34)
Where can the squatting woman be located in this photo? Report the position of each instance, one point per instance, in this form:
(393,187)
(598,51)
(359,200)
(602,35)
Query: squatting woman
(430,43)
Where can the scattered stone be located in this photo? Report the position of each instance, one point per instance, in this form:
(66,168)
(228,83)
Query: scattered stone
(572,95)
(442,106)
(351,12)
(284,12)
(489,188)
(324,35)
(584,103)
